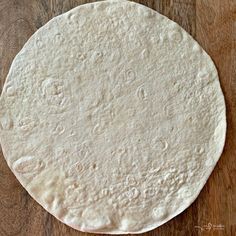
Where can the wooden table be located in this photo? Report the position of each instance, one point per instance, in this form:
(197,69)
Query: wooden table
(213,24)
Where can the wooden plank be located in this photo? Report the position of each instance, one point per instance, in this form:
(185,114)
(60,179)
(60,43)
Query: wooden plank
(213,24)
(216,31)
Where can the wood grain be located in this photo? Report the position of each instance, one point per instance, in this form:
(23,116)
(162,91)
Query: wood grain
(213,24)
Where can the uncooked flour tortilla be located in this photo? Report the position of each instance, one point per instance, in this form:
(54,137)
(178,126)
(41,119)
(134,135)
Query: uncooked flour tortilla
(112,118)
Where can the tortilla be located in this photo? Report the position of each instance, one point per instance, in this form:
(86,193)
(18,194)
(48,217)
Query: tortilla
(112,118)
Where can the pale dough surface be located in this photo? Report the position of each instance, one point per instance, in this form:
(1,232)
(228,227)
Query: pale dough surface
(112,118)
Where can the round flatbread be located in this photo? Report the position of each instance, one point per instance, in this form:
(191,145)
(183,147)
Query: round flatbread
(112,118)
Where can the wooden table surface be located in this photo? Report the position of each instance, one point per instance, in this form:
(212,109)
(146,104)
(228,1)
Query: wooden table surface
(213,24)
